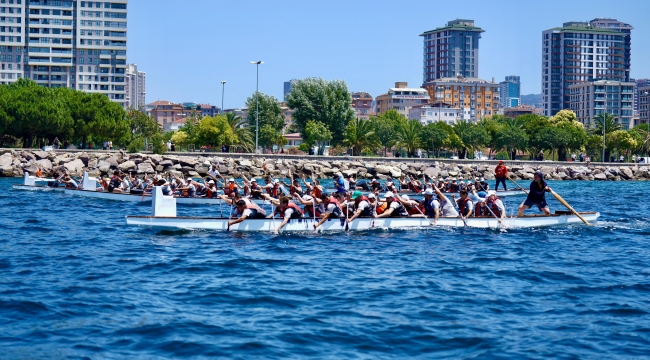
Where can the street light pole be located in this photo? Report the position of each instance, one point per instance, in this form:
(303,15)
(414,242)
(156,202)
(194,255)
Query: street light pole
(257,101)
(223,89)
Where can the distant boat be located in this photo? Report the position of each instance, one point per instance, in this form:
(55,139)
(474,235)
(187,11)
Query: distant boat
(36,183)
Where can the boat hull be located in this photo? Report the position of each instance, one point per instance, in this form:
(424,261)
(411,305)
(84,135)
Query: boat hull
(333,225)
(36,187)
(147,198)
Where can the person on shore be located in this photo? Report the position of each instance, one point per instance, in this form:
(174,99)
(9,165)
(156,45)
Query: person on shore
(394,207)
(332,209)
(536,195)
(501,173)
(247,211)
(287,211)
(56,143)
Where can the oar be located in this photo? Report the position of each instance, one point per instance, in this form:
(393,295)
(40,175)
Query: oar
(417,207)
(493,214)
(460,213)
(229,216)
(347,212)
(559,198)
(519,186)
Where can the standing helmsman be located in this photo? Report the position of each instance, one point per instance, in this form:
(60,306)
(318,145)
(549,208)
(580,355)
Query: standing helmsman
(501,173)
(537,195)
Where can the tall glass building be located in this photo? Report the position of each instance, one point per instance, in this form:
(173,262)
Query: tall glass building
(510,92)
(65,43)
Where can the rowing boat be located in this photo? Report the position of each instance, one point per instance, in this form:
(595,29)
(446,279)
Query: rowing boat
(32,183)
(500,193)
(164,217)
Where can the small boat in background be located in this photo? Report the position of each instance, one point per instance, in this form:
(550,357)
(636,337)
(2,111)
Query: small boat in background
(37,183)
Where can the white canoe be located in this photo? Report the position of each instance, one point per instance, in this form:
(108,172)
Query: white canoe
(359,224)
(500,193)
(36,183)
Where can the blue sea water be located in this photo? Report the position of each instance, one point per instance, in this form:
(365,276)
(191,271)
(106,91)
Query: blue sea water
(76,283)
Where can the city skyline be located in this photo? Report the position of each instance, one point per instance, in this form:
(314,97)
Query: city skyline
(296,44)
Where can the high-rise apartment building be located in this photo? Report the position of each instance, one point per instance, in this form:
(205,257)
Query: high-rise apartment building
(640,83)
(644,104)
(136,82)
(71,43)
(451,50)
(590,99)
(287,88)
(579,52)
(510,92)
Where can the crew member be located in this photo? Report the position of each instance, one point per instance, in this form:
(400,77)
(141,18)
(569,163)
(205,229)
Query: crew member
(431,205)
(501,173)
(465,204)
(247,211)
(256,189)
(362,205)
(332,209)
(489,205)
(537,195)
(287,210)
(339,183)
(394,207)
(447,209)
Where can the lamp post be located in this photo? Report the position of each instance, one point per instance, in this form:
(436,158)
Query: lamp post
(223,89)
(257,101)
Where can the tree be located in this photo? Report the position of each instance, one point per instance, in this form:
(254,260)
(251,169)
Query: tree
(269,136)
(475,137)
(435,135)
(552,138)
(242,136)
(593,145)
(180,138)
(410,136)
(360,136)
(642,135)
(327,102)
(511,139)
(317,133)
(606,120)
(460,128)
(270,112)
(214,131)
(387,126)
(620,140)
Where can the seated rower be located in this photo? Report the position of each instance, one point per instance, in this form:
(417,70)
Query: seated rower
(309,202)
(394,207)
(390,185)
(536,195)
(484,185)
(332,209)
(247,210)
(294,187)
(431,205)
(352,183)
(375,185)
(188,190)
(287,211)
(363,206)
(453,186)
(115,182)
(256,189)
(447,209)
(70,183)
(211,190)
(231,188)
(412,206)
(273,189)
(465,204)
(489,205)
(339,183)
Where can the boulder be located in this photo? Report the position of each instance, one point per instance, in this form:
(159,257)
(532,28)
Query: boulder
(45,165)
(84,158)
(626,173)
(245,163)
(41,154)
(74,167)
(201,169)
(144,168)
(188,161)
(380,169)
(395,172)
(112,161)
(127,165)
(600,176)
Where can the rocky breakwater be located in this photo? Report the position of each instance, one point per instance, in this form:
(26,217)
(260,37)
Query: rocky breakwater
(14,163)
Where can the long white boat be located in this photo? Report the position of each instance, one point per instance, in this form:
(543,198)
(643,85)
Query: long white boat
(90,189)
(36,183)
(164,217)
(500,193)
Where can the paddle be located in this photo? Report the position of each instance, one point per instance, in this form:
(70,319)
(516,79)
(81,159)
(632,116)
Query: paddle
(347,212)
(559,198)
(430,223)
(229,216)
(519,186)
(460,214)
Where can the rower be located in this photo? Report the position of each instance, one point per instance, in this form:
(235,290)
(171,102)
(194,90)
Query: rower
(339,183)
(115,182)
(213,172)
(189,188)
(273,189)
(447,209)
(431,205)
(231,188)
(294,187)
(70,183)
(247,211)
(488,202)
(441,184)
(211,190)
(537,195)
(352,183)
(332,209)
(375,185)
(410,205)
(256,189)
(453,186)
(287,211)
(308,201)
(465,204)
(415,185)
(362,205)
(394,207)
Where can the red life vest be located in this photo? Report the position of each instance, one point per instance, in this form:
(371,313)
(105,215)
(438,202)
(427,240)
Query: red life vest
(493,206)
(335,202)
(291,205)
(501,171)
(251,205)
(273,191)
(462,205)
(317,192)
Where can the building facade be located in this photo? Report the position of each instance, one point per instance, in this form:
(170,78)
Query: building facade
(589,99)
(640,83)
(451,50)
(476,98)
(579,52)
(65,43)
(644,104)
(428,114)
(362,105)
(209,110)
(510,92)
(401,98)
(513,112)
(136,82)
(287,88)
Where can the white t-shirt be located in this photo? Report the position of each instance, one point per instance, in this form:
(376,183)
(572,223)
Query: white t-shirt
(214,173)
(447,209)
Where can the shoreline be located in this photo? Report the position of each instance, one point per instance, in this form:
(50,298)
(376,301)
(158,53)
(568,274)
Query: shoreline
(14,162)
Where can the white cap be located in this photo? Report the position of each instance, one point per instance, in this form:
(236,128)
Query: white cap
(491,192)
(476,179)
(307,198)
(440,179)
(453,179)
(211,182)
(276,181)
(189,179)
(428,192)
(371,196)
(373,180)
(482,179)
(231,180)
(254,180)
(389,194)
(405,197)
(158,177)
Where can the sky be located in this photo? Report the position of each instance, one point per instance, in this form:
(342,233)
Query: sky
(187,50)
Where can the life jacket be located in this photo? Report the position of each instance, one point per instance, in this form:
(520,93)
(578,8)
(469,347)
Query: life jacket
(39,173)
(114,184)
(428,207)
(104,184)
(493,206)
(209,193)
(295,189)
(381,208)
(253,206)
(414,188)
(501,171)
(297,211)
(273,191)
(453,188)
(317,192)
(368,211)
(309,209)
(229,190)
(412,209)
(462,205)
(336,203)
(247,190)
(400,210)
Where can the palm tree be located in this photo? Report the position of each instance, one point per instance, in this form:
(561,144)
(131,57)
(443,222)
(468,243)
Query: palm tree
(610,124)
(410,136)
(360,136)
(242,135)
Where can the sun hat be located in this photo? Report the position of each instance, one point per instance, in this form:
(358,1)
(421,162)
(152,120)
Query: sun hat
(428,192)
(491,192)
(405,197)
(371,196)
(254,180)
(356,194)
(389,194)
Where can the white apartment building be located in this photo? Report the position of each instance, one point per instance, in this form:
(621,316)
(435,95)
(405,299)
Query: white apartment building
(401,98)
(136,82)
(71,43)
(428,114)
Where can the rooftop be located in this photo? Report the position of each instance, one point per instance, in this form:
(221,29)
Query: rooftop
(577,27)
(461,80)
(458,24)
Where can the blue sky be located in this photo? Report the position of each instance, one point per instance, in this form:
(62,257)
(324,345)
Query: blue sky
(186,50)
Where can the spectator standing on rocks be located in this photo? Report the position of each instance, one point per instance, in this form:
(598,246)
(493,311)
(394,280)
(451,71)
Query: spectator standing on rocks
(540,156)
(56,143)
(501,173)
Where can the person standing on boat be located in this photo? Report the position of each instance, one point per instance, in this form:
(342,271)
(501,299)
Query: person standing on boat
(247,211)
(537,195)
(332,209)
(501,173)
(339,183)
(394,207)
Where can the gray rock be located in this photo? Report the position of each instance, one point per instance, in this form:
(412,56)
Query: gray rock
(112,161)
(626,173)
(41,154)
(245,163)
(127,165)
(201,169)
(74,167)
(45,164)
(144,168)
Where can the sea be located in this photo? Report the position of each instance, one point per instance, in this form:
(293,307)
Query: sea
(76,283)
